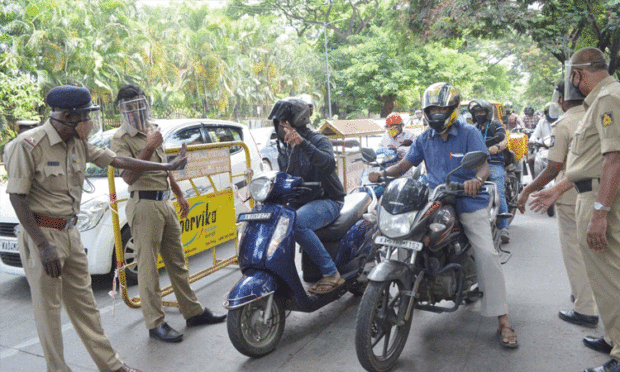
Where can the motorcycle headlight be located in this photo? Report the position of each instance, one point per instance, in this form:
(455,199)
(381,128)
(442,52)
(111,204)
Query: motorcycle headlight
(260,188)
(395,226)
(91,212)
(278,235)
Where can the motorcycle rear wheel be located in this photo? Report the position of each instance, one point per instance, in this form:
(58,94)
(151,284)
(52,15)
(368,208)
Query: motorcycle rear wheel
(247,332)
(379,339)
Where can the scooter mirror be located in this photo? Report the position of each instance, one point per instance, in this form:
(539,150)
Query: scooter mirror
(473,159)
(369,155)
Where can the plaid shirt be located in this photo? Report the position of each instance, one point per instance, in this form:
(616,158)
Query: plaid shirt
(530,121)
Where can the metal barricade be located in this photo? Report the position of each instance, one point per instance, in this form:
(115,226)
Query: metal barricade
(203,161)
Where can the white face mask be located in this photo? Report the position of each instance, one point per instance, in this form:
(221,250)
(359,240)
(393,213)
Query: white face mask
(135,112)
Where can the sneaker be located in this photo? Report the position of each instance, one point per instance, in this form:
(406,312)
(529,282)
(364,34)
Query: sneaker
(504,235)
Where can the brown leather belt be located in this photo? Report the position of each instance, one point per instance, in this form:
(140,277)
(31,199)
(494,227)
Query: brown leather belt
(55,222)
(585,185)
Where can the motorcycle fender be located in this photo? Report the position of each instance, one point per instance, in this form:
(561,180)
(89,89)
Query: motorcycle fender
(390,269)
(251,287)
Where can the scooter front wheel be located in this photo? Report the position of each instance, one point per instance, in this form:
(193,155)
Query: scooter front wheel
(254,333)
(382,330)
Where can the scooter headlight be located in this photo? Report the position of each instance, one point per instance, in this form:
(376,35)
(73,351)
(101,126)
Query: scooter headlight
(278,235)
(261,187)
(395,226)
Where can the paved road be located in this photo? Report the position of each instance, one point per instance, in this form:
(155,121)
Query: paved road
(323,341)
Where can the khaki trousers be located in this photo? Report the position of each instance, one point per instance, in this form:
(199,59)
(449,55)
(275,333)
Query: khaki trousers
(573,261)
(603,268)
(488,266)
(155,229)
(73,289)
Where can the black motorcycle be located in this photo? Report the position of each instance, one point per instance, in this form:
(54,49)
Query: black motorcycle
(428,259)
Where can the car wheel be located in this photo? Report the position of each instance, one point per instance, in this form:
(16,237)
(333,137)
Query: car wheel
(130,256)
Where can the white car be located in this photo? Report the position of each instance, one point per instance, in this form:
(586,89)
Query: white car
(95,222)
(266,141)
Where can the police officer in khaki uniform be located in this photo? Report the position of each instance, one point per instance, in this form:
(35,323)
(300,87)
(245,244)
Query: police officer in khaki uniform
(153,219)
(593,165)
(562,131)
(46,173)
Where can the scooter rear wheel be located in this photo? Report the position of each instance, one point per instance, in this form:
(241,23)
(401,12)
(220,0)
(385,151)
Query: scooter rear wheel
(381,331)
(249,334)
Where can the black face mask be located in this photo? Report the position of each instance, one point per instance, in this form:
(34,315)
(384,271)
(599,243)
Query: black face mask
(480,119)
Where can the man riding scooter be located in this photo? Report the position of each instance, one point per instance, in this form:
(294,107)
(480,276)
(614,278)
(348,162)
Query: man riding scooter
(310,155)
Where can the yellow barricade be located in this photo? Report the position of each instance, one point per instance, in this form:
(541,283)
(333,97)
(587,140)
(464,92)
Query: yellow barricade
(517,142)
(211,219)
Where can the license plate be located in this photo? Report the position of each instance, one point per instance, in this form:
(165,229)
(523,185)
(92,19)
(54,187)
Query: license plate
(408,244)
(258,216)
(9,246)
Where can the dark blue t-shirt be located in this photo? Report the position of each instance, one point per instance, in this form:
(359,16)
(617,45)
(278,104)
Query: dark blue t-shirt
(441,157)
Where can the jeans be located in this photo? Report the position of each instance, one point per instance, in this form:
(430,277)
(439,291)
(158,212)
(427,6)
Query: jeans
(498,174)
(313,216)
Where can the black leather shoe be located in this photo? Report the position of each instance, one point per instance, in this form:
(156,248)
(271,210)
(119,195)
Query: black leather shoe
(207,317)
(598,344)
(571,316)
(611,366)
(165,333)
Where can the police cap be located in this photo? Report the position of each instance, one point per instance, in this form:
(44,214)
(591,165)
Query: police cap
(69,97)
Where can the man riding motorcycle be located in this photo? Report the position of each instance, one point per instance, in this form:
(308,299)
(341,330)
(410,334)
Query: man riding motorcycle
(396,137)
(442,148)
(512,119)
(493,133)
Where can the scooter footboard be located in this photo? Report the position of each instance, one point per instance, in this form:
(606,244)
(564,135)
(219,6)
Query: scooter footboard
(251,287)
(390,269)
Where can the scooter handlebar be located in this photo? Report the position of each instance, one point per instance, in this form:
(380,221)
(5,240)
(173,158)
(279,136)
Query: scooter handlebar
(310,184)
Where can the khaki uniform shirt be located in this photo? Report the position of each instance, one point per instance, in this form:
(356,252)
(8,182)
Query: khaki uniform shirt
(562,132)
(49,171)
(597,134)
(129,142)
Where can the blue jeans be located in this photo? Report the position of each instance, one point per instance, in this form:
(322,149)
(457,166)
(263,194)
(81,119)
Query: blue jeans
(312,216)
(498,174)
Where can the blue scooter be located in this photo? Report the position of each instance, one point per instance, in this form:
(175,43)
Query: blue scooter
(271,283)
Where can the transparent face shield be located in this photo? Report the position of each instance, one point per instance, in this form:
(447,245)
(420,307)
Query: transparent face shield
(555,111)
(135,112)
(573,72)
(90,125)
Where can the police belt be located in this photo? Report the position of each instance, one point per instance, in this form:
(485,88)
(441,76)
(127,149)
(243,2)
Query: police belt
(55,222)
(585,185)
(151,195)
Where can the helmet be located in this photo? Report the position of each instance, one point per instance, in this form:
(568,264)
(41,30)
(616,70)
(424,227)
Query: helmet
(508,106)
(440,95)
(393,119)
(529,111)
(293,110)
(477,105)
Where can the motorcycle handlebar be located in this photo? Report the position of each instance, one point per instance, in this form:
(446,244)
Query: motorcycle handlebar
(310,184)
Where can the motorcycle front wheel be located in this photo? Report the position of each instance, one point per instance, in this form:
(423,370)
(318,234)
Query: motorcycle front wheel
(252,336)
(381,331)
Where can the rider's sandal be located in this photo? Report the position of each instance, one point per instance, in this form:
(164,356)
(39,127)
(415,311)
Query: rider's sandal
(327,285)
(507,337)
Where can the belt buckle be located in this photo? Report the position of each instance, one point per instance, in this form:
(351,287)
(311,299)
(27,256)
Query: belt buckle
(163,195)
(70,222)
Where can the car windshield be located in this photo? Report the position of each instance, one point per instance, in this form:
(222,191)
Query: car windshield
(103,141)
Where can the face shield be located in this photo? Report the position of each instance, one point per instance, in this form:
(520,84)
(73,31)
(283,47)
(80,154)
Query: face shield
(573,72)
(554,112)
(135,112)
(89,125)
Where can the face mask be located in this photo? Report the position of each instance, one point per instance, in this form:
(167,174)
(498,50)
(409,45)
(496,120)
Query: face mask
(394,132)
(83,129)
(550,119)
(480,119)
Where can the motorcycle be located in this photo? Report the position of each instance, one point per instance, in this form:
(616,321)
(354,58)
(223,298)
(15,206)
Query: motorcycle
(541,162)
(512,182)
(428,259)
(271,284)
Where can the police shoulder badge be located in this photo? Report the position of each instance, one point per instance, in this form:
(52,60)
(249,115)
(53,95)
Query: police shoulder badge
(607,119)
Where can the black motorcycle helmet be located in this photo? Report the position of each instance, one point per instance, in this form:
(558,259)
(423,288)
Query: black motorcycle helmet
(440,95)
(529,111)
(480,105)
(293,110)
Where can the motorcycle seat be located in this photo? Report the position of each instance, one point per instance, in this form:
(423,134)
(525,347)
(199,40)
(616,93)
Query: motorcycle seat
(354,207)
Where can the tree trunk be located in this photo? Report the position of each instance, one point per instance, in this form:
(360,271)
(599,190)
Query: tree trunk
(387,104)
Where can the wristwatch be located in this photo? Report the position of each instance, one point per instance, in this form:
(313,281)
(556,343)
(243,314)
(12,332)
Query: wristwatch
(600,207)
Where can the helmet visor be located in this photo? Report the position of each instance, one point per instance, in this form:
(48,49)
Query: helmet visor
(135,112)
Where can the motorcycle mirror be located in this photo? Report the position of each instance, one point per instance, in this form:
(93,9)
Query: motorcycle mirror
(369,155)
(473,159)
(407,143)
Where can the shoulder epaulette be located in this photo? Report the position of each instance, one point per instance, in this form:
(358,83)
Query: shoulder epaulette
(31,139)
